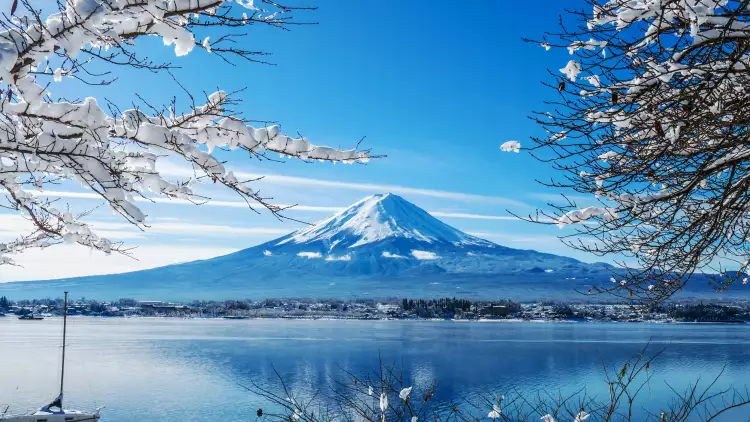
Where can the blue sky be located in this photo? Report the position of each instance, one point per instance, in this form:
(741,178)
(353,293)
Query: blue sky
(435,87)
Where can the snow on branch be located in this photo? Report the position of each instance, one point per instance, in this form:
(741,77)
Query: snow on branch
(651,116)
(114,153)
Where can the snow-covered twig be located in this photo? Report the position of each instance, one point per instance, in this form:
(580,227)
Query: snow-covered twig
(115,153)
(652,122)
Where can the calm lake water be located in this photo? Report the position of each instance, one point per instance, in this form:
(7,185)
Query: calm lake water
(181,370)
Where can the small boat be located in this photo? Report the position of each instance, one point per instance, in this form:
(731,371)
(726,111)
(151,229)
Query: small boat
(49,414)
(31,317)
(54,411)
(235,317)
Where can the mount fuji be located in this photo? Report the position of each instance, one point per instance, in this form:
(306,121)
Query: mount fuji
(380,246)
(387,236)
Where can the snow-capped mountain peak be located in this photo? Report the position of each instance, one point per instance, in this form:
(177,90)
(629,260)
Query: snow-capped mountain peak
(378,218)
(363,250)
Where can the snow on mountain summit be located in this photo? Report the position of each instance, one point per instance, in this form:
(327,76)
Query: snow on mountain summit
(378,218)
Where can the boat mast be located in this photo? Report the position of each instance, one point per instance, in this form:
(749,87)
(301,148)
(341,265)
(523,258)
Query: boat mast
(65,327)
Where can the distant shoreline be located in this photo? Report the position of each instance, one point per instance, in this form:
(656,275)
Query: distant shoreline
(415,320)
(445,309)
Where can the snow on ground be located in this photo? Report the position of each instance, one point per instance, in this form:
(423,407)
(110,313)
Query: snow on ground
(424,255)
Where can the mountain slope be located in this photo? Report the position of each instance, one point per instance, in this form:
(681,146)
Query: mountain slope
(381,245)
(385,235)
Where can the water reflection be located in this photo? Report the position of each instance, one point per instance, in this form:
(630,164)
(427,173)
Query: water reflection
(166,369)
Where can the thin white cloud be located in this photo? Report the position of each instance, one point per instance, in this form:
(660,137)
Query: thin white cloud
(387,254)
(557,198)
(74,261)
(12,225)
(384,188)
(483,235)
(212,229)
(441,214)
(520,238)
(174,170)
(310,255)
(211,203)
(240,204)
(183,228)
(119,235)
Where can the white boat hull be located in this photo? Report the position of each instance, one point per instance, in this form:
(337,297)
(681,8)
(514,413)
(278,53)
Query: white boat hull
(64,416)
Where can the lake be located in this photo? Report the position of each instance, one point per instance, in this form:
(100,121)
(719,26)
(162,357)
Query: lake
(150,369)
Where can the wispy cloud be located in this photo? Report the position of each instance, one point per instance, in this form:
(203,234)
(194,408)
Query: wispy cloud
(207,230)
(517,238)
(74,261)
(187,228)
(174,170)
(120,235)
(240,204)
(441,214)
(174,201)
(12,225)
(556,198)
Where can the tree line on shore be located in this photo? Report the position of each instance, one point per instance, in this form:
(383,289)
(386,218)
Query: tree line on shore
(404,308)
